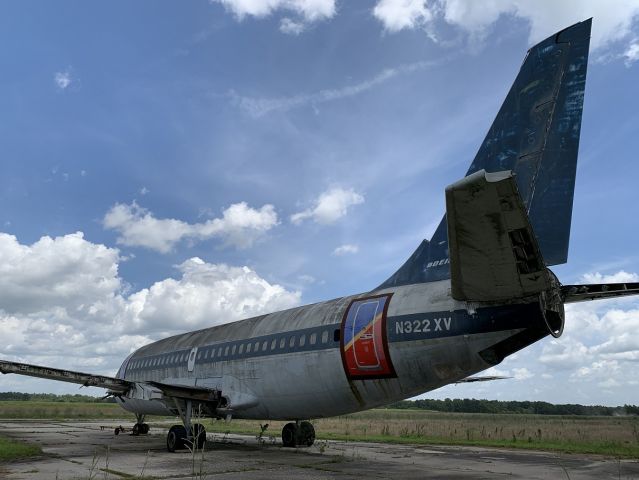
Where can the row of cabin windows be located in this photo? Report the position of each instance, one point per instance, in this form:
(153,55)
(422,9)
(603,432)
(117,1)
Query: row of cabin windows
(246,347)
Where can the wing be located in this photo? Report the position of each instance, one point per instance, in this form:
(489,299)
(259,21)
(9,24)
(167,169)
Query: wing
(114,385)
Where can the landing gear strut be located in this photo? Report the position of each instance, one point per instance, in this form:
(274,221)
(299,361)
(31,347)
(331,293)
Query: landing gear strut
(187,435)
(298,434)
(140,428)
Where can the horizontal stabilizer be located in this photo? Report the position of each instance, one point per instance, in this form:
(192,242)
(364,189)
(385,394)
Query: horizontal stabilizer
(86,379)
(494,254)
(597,291)
(481,379)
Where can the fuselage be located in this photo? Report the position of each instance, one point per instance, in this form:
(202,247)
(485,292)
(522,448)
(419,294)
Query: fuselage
(339,356)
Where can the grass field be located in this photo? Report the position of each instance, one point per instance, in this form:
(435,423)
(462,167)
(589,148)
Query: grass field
(616,436)
(11,450)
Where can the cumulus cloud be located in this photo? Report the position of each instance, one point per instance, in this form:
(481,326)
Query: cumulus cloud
(345,249)
(62,80)
(239,226)
(64,294)
(613,19)
(307,11)
(397,15)
(207,295)
(69,269)
(330,206)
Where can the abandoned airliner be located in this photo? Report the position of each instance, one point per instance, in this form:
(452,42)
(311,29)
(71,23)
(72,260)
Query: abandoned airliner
(477,292)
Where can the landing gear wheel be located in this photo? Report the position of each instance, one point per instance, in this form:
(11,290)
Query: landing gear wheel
(175,438)
(199,435)
(140,429)
(289,435)
(306,434)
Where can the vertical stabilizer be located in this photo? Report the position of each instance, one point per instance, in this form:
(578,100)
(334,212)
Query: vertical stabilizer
(536,136)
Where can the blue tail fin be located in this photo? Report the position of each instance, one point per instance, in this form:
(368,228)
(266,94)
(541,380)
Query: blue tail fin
(536,135)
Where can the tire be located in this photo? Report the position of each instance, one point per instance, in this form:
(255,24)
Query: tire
(199,435)
(137,429)
(175,438)
(306,436)
(144,428)
(289,435)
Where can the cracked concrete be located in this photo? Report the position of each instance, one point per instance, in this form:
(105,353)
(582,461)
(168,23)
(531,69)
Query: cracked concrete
(75,450)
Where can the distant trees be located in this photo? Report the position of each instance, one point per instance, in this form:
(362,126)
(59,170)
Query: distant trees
(51,397)
(471,405)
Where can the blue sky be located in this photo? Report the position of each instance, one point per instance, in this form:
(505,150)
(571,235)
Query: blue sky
(228,158)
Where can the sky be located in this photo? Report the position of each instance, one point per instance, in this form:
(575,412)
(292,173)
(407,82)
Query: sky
(167,166)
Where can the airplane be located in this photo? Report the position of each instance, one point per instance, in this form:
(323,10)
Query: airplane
(477,292)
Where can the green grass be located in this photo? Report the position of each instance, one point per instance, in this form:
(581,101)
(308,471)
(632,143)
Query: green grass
(60,410)
(12,450)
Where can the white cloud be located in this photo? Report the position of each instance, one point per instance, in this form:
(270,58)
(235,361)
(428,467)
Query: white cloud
(37,277)
(631,55)
(143,191)
(612,19)
(64,295)
(307,11)
(258,107)
(240,226)
(345,249)
(208,295)
(291,27)
(62,79)
(399,14)
(618,277)
(522,373)
(330,206)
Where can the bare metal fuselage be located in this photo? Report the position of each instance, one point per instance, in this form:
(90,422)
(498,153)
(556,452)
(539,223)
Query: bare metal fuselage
(291,364)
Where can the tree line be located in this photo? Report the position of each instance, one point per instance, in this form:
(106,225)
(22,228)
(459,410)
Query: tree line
(52,397)
(455,405)
(471,405)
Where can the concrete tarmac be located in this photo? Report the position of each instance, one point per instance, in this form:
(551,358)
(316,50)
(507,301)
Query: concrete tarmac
(81,450)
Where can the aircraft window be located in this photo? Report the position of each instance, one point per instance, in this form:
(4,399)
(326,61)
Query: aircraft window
(302,340)
(248,348)
(336,335)
(226,351)
(282,342)
(256,347)
(273,344)
(325,336)
(241,350)
(291,341)
(219,352)
(233,349)
(199,355)
(312,339)
(192,355)
(155,362)
(264,345)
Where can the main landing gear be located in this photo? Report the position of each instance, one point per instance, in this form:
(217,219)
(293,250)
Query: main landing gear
(189,435)
(298,434)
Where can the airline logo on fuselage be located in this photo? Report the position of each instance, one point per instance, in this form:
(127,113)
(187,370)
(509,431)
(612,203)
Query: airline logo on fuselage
(363,343)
